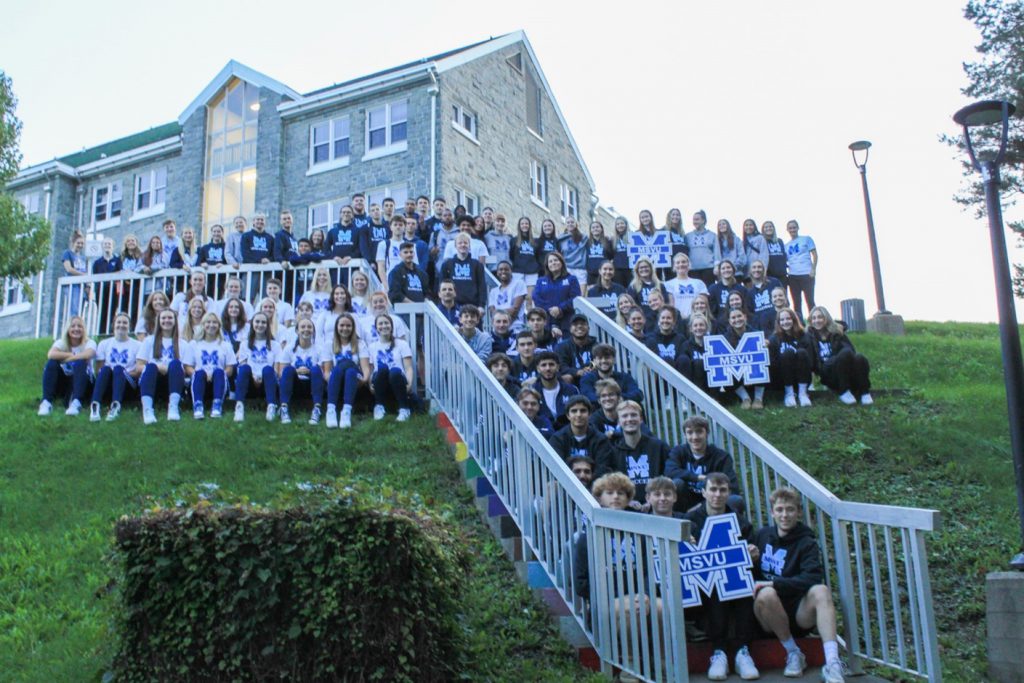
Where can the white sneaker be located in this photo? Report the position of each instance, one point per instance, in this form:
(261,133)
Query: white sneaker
(848,398)
(113,411)
(379,412)
(795,664)
(789,401)
(174,413)
(215,411)
(332,417)
(745,665)
(805,400)
(314,417)
(239,412)
(719,669)
(148,416)
(197,412)
(94,412)
(866,400)
(74,408)
(345,419)
(403,415)
(833,672)
(45,407)
(286,418)
(271,412)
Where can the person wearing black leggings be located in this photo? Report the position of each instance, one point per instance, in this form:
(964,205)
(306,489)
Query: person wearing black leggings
(836,362)
(790,354)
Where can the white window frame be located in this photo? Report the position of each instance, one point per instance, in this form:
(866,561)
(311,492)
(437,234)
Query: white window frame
(538,184)
(20,303)
(31,202)
(333,207)
(154,208)
(533,83)
(109,221)
(397,191)
(332,161)
(570,204)
(470,201)
(459,117)
(390,146)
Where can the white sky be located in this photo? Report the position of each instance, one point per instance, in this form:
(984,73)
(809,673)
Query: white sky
(743,109)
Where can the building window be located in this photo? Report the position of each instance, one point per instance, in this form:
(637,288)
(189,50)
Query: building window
(30,202)
(150,193)
(467,200)
(533,106)
(14,299)
(397,192)
(516,62)
(329,144)
(570,202)
(539,182)
(325,214)
(106,206)
(230,178)
(464,121)
(386,129)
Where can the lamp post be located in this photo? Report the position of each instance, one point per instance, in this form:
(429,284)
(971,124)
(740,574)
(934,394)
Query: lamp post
(862,165)
(987,113)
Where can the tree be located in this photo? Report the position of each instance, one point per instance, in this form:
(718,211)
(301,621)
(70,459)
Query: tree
(998,75)
(24,237)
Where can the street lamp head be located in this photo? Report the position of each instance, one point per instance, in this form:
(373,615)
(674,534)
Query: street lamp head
(986,113)
(860,146)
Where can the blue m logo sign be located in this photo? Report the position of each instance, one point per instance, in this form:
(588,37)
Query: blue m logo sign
(747,363)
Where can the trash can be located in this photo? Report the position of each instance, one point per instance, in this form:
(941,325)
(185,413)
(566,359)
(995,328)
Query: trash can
(853,315)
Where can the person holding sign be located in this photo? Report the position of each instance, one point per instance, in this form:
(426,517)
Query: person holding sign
(718,613)
(737,328)
(645,281)
(789,596)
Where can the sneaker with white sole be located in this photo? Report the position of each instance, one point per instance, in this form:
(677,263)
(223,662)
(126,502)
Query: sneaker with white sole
(848,398)
(345,419)
(74,408)
(148,416)
(745,666)
(45,408)
(113,411)
(332,417)
(866,400)
(215,411)
(271,412)
(805,400)
(379,412)
(403,415)
(197,412)
(239,412)
(174,413)
(286,418)
(94,411)
(719,668)
(789,401)
(796,662)
(833,672)
(314,417)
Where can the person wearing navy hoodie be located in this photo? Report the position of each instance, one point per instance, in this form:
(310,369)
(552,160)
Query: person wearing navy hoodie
(467,273)
(286,244)
(555,392)
(377,230)
(688,466)
(407,283)
(718,293)
(759,297)
(446,302)
(579,438)
(603,359)
(666,340)
(556,290)
(257,247)
(359,217)
(343,238)
(639,456)
(574,353)
(530,401)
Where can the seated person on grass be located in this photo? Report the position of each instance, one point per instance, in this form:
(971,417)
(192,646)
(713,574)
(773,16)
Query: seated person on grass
(689,465)
(604,360)
(579,438)
(790,597)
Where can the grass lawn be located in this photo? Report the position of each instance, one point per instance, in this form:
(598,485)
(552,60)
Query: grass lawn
(63,482)
(945,446)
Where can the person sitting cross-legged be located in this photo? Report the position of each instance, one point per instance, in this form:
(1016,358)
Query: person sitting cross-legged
(789,596)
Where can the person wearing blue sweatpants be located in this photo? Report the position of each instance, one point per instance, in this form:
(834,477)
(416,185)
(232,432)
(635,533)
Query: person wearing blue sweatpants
(117,368)
(257,357)
(68,367)
(165,361)
(215,363)
(348,367)
(300,364)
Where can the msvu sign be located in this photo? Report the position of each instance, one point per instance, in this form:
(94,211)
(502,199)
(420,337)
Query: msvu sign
(719,562)
(747,363)
(657,248)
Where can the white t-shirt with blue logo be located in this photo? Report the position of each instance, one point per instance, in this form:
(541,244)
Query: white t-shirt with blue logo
(503,297)
(211,355)
(299,357)
(75,350)
(684,291)
(118,354)
(389,356)
(798,255)
(166,353)
(259,355)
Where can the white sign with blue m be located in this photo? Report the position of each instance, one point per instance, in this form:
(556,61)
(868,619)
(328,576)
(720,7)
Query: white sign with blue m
(747,363)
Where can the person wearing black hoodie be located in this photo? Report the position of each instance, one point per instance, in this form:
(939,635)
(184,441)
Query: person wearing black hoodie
(574,352)
(666,340)
(579,438)
(639,456)
(790,597)
(689,466)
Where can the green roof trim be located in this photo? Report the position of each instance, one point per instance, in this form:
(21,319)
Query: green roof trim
(146,137)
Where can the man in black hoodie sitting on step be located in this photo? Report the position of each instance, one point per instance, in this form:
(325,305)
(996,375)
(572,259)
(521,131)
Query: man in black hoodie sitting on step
(639,456)
(688,466)
(579,438)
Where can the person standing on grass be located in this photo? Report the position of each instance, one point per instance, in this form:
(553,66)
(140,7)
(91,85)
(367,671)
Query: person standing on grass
(790,597)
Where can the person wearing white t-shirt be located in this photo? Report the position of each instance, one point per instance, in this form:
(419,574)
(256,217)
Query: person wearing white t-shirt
(214,362)
(257,356)
(347,367)
(380,305)
(285,311)
(165,359)
(508,296)
(477,248)
(389,252)
(683,289)
(802,261)
(116,368)
(391,360)
(68,368)
(301,363)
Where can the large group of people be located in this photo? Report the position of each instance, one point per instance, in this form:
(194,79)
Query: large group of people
(324,341)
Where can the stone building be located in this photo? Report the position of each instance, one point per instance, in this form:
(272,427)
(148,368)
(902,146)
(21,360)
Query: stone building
(477,125)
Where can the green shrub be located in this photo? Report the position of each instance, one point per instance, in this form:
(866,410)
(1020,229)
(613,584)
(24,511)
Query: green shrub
(334,583)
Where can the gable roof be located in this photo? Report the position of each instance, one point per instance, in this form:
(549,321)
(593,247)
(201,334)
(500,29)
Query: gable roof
(238,70)
(129,142)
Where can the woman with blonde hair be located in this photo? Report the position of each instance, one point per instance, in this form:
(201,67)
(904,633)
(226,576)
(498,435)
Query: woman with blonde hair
(215,363)
(319,295)
(191,323)
(68,369)
(836,362)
